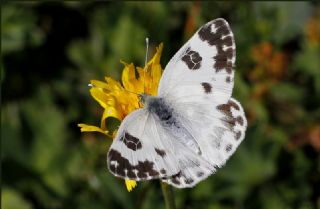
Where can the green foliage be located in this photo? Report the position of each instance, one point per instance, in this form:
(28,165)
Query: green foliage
(19,29)
(51,51)
(12,200)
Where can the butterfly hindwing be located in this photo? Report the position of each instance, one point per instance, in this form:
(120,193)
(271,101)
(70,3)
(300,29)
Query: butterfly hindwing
(193,169)
(218,131)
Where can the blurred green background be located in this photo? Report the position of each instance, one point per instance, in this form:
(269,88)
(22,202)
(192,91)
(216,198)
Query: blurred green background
(50,51)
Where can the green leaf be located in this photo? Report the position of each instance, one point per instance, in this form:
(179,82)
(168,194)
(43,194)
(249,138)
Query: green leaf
(11,199)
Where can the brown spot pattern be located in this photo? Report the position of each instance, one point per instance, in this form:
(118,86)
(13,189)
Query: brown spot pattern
(238,135)
(175,181)
(188,181)
(207,87)
(131,142)
(234,105)
(163,171)
(175,178)
(226,108)
(240,120)
(228,147)
(221,37)
(192,59)
(199,174)
(230,120)
(160,152)
(144,168)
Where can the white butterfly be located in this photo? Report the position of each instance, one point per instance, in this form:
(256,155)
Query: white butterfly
(193,126)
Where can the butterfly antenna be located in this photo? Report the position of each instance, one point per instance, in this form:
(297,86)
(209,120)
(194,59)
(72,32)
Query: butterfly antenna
(145,65)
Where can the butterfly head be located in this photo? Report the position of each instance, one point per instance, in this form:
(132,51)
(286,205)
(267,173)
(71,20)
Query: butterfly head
(144,98)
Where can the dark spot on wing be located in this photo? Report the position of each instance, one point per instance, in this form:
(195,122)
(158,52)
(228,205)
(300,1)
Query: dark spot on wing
(234,105)
(228,79)
(192,59)
(207,87)
(175,178)
(188,181)
(200,173)
(238,135)
(231,120)
(175,181)
(131,174)
(240,120)
(216,167)
(177,175)
(121,166)
(163,171)
(226,108)
(130,141)
(160,152)
(228,147)
(222,37)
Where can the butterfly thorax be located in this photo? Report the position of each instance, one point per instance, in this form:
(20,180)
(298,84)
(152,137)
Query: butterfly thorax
(158,106)
(162,110)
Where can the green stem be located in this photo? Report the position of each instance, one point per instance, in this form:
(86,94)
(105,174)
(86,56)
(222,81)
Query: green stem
(167,192)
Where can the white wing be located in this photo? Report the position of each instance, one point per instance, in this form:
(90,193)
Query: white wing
(139,152)
(203,67)
(218,130)
(198,83)
(143,149)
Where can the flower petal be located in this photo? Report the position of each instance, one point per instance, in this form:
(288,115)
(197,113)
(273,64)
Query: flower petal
(110,112)
(89,128)
(104,99)
(113,84)
(129,77)
(130,184)
(156,58)
(100,84)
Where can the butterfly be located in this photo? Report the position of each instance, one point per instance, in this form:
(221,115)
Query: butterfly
(193,126)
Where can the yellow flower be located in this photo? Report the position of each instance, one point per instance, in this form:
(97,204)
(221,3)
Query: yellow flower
(116,99)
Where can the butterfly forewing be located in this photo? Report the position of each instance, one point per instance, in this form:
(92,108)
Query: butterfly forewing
(140,150)
(203,66)
(198,82)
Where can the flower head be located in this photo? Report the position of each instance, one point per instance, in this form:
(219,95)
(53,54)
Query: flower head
(117,98)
